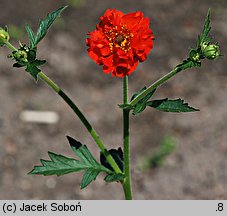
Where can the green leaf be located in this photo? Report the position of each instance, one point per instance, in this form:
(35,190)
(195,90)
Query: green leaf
(32,67)
(137,93)
(31,55)
(167,105)
(31,36)
(141,104)
(33,70)
(45,24)
(198,42)
(87,158)
(61,165)
(38,62)
(88,177)
(18,65)
(117,155)
(206,29)
(82,152)
(114,177)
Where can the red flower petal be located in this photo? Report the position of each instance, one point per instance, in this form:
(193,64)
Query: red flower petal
(120,41)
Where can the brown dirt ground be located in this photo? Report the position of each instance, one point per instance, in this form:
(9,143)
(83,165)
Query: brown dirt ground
(197,169)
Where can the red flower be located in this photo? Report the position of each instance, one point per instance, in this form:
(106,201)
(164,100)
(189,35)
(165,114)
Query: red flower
(120,41)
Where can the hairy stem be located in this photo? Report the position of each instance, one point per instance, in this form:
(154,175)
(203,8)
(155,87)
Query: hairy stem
(127,171)
(10,46)
(77,111)
(83,119)
(155,85)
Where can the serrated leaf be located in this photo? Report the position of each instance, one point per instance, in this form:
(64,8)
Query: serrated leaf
(82,152)
(167,105)
(31,36)
(88,177)
(117,155)
(32,67)
(59,165)
(141,104)
(114,177)
(206,29)
(45,24)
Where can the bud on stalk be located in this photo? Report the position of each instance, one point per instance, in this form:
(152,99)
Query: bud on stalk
(4,36)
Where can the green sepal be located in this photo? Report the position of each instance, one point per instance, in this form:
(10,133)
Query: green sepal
(167,105)
(118,177)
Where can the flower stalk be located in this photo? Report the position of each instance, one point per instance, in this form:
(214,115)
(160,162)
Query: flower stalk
(127,172)
(155,85)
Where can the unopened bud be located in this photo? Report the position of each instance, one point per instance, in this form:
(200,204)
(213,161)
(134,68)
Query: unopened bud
(211,51)
(4,36)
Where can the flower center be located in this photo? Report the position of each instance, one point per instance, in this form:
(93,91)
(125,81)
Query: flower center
(119,37)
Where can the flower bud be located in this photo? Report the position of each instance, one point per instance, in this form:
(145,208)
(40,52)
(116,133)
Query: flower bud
(20,55)
(4,36)
(194,55)
(211,51)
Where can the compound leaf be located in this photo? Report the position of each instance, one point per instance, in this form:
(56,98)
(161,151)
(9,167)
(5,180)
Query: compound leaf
(61,165)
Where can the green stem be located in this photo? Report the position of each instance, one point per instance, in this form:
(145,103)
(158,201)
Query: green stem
(83,119)
(155,85)
(127,181)
(10,46)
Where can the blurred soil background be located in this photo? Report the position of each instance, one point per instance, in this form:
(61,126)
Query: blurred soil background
(195,166)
